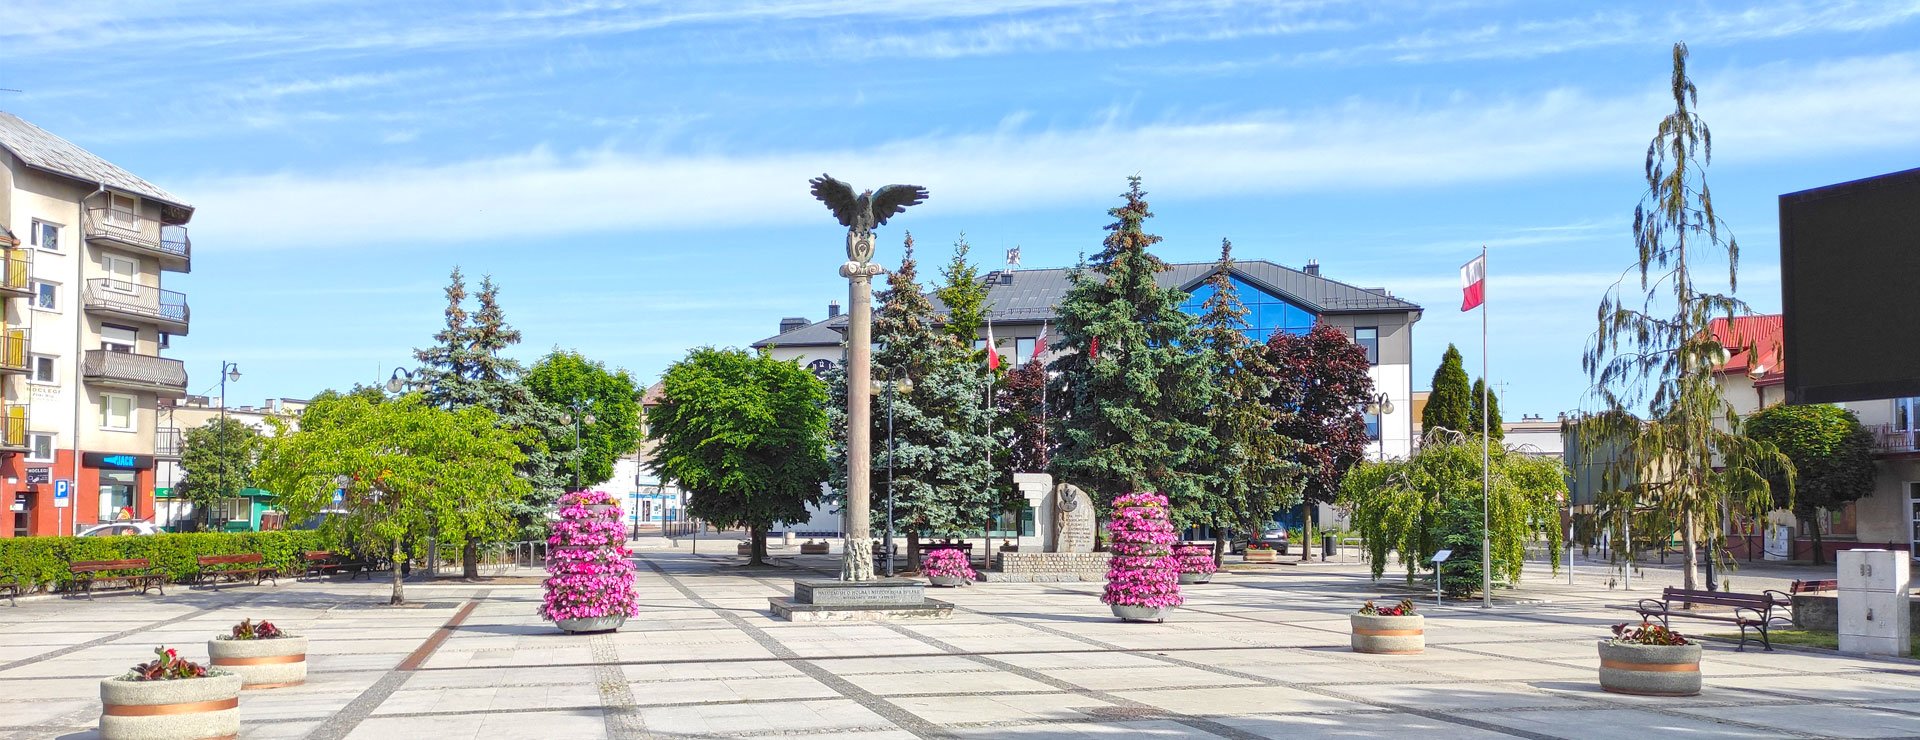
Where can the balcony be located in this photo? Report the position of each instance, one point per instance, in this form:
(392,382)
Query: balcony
(168,308)
(135,233)
(167,442)
(13,351)
(16,271)
(1891,440)
(125,370)
(13,427)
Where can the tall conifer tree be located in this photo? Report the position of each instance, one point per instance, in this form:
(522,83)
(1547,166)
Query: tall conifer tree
(1492,423)
(1253,476)
(1448,405)
(1130,396)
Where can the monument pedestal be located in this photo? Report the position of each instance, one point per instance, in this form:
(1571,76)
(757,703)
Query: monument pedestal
(823,600)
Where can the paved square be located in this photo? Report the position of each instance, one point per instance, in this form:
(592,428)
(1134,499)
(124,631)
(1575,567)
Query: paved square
(1257,653)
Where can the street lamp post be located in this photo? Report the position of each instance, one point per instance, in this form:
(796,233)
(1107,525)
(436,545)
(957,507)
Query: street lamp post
(228,371)
(401,380)
(579,414)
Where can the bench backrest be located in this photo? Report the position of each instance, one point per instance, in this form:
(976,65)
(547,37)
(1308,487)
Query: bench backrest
(1807,587)
(246,559)
(95,566)
(317,555)
(1718,598)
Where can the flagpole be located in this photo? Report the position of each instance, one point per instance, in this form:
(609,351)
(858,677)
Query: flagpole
(1486,449)
(993,350)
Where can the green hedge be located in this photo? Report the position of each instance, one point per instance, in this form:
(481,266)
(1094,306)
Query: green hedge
(43,560)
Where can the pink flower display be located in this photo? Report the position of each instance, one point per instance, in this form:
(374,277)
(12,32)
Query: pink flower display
(1143,571)
(1196,559)
(948,562)
(589,574)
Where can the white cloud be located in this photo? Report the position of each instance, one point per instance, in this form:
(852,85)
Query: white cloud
(1766,114)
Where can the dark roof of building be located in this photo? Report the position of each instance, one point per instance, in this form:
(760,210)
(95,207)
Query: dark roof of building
(40,149)
(1032,295)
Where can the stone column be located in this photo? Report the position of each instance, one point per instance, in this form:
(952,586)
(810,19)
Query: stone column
(856,563)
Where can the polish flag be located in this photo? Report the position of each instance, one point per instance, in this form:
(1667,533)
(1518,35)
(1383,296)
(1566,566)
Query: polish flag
(1473,283)
(993,351)
(1039,343)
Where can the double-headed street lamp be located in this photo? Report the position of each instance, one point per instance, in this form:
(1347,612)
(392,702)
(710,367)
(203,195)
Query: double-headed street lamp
(402,379)
(1379,406)
(228,371)
(579,414)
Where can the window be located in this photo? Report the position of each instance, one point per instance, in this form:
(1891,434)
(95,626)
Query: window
(1906,411)
(1368,338)
(123,273)
(46,235)
(1266,313)
(46,296)
(39,447)
(116,494)
(123,210)
(116,338)
(1373,425)
(116,412)
(1022,351)
(43,370)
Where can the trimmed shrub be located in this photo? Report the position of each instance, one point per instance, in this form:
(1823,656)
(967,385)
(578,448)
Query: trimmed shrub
(44,560)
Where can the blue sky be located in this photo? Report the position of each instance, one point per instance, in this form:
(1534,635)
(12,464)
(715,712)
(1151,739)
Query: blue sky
(633,174)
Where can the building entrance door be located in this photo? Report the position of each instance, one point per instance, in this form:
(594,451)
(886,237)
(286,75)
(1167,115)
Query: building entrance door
(1913,518)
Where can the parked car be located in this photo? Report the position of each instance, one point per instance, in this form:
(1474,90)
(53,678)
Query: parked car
(120,528)
(1275,537)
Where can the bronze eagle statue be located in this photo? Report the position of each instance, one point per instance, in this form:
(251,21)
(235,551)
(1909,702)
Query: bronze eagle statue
(860,213)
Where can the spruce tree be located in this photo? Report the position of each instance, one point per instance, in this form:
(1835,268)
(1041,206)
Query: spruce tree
(1252,474)
(964,296)
(1129,399)
(444,376)
(1492,423)
(1449,405)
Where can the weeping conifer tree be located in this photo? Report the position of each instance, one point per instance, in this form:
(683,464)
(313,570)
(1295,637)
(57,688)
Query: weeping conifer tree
(1129,397)
(1654,352)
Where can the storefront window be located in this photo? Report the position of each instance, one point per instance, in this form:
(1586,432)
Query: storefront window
(116,495)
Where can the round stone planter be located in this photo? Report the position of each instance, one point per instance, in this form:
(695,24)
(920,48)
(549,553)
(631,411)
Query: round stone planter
(1650,670)
(262,664)
(1261,556)
(1141,613)
(1380,635)
(592,624)
(181,709)
(947,581)
(1188,579)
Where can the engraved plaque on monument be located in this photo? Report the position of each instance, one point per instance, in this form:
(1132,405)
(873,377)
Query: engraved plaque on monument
(1073,523)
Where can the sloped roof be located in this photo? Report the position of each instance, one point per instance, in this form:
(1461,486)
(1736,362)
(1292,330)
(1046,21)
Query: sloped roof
(1752,342)
(40,149)
(1033,294)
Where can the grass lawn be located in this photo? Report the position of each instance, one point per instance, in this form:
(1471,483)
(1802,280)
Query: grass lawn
(1815,638)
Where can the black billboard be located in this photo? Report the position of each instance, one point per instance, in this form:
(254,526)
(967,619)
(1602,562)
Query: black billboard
(1849,269)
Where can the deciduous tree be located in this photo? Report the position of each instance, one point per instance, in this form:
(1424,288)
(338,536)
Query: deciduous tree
(1832,454)
(562,378)
(410,468)
(745,435)
(1320,387)
(218,460)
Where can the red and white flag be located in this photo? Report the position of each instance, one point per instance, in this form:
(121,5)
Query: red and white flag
(1039,343)
(993,351)
(1473,283)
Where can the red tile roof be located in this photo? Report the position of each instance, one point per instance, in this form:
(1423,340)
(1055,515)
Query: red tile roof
(1753,343)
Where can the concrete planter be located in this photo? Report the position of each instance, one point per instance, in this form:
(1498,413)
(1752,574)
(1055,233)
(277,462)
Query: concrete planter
(1188,579)
(181,709)
(947,581)
(1650,670)
(1261,556)
(744,548)
(592,624)
(813,548)
(1141,613)
(1379,635)
(262,664)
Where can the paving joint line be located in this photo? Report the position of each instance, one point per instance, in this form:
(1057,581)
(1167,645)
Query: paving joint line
(124,634)
(362,706)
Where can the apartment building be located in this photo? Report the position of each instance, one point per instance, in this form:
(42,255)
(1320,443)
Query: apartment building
(1023,307)
(86,317)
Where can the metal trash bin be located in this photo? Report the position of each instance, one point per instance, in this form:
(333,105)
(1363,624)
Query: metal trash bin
(1326,546)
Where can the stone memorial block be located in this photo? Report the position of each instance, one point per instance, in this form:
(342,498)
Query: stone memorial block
(1073,521)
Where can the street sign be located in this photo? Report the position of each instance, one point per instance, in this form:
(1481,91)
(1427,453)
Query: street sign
(339,497)
(1441,556)
(62,493)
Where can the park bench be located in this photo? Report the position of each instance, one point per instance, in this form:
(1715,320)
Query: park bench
(1748,610)
(1813,587)
(14,587)
(324,563)
(135,572)
(234,567)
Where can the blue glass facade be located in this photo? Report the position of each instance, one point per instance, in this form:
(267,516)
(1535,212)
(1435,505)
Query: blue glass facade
(1266,313)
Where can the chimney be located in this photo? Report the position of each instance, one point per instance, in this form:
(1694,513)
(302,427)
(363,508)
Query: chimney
(833,309)
(1312,268)
(791,323)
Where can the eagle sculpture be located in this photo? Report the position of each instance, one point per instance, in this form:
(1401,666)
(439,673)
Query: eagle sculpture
(860,213)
